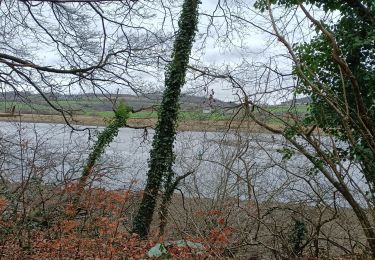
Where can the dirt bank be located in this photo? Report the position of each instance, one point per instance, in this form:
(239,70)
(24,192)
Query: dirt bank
(186,125)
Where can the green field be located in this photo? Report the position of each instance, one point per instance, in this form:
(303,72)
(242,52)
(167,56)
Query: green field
(102,108)
(95,107)
(286,109)
(184,115)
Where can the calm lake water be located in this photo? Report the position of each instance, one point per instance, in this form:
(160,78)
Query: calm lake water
(221,161)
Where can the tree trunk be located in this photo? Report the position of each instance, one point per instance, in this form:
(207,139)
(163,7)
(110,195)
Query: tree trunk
(367,227)
(161,155)
(104,139)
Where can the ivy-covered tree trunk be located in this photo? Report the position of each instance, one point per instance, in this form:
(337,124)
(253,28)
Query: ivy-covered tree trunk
(104,139)
(161,155)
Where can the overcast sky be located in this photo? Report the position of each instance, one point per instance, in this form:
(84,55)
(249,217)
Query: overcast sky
(224,43)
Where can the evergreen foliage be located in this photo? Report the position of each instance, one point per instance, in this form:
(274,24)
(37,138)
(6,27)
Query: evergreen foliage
(161,155)
(297,237)
(355,116)
(337,70)
(105,138)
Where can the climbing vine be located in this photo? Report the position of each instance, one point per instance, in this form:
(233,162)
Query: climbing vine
(161,155)
(104,139)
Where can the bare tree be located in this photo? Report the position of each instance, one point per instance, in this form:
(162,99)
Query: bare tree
(334,148)
(54,48)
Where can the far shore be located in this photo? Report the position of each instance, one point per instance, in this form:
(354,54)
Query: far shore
(185,125)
